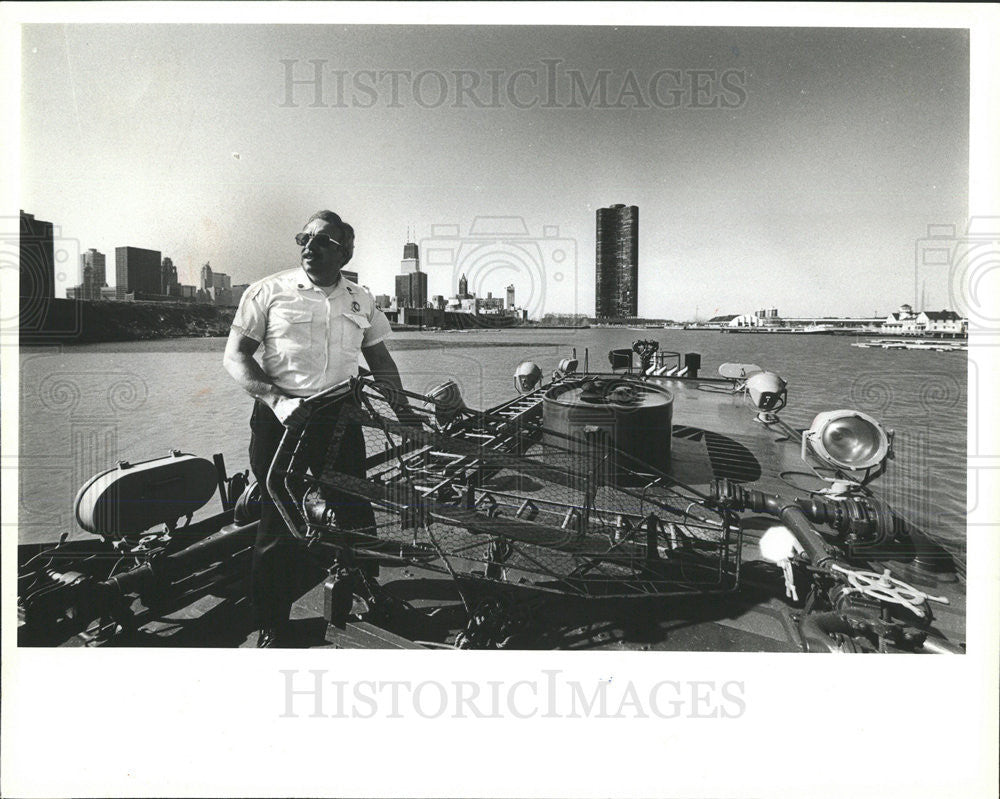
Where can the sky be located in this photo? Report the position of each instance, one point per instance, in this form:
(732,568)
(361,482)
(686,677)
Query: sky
(788,168)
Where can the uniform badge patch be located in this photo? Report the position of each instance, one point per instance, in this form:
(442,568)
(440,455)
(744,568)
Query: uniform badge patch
(355,306)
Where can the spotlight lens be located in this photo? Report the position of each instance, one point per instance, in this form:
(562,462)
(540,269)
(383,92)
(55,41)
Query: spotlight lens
(527,376)
(851,440)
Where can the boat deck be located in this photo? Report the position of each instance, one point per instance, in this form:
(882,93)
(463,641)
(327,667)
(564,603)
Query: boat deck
(714,436)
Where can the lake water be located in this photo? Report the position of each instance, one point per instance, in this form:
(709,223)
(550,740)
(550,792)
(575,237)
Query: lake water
(84,407)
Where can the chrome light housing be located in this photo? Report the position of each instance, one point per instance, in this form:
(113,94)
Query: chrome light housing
(848,440)
(527,377)
(567,366)
(768,391)
(446,401)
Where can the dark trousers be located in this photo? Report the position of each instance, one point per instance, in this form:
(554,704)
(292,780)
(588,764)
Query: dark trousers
(280,569)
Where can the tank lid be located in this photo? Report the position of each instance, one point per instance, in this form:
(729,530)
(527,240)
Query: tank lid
(613,393)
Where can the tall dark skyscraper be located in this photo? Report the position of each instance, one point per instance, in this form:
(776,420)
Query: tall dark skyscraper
(92,273)
(136,270)
(616,289)
(411,290)
(37,261)
(168,278)
(411,284)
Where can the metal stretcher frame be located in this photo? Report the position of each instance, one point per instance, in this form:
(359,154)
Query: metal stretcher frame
(662,540)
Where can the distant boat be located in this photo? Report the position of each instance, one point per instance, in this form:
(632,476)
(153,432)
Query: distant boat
(813,329)
(899,344)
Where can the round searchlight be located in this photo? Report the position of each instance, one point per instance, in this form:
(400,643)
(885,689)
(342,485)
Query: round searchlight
(849,440)
(768,391)
(446,401)
(527,377)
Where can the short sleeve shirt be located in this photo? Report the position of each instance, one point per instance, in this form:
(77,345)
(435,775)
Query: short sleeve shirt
(311,340)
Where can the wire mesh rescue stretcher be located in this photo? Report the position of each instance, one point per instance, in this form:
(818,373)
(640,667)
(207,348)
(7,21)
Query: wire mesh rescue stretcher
(477,495)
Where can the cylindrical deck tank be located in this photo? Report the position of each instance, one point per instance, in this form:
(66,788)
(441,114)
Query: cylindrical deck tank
(635,417)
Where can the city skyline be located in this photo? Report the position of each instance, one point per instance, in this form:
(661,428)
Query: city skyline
(620,224)
(162,282)
(793,158)
(72,289)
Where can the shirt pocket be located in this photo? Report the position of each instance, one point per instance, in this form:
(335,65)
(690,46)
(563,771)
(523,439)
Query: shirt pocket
(291,329)
(354,328)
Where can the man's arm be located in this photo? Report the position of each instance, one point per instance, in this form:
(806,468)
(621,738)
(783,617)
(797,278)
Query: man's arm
(242,367)
(383,369)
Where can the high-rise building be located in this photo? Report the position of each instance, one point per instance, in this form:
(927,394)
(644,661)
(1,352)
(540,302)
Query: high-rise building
(411,259)
(382,301)
(216,287)
(411,283)
(510,296)
(221,281)
(617,261)
(93,275)
(347,274)
(168,278)
(37,261)
(463,288)
(136,270)
(222,289)
(411,290)
(489,304)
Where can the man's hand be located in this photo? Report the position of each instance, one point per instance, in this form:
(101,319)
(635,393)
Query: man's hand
(290,410)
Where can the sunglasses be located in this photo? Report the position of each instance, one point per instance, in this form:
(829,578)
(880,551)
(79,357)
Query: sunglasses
(322,239)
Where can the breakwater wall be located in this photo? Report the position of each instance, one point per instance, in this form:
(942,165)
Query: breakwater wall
(88,321)
(452,320)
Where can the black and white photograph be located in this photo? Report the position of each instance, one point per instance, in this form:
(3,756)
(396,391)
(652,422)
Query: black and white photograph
(514,373)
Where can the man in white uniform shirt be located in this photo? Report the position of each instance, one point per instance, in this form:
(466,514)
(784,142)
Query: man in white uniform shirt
(313,324)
